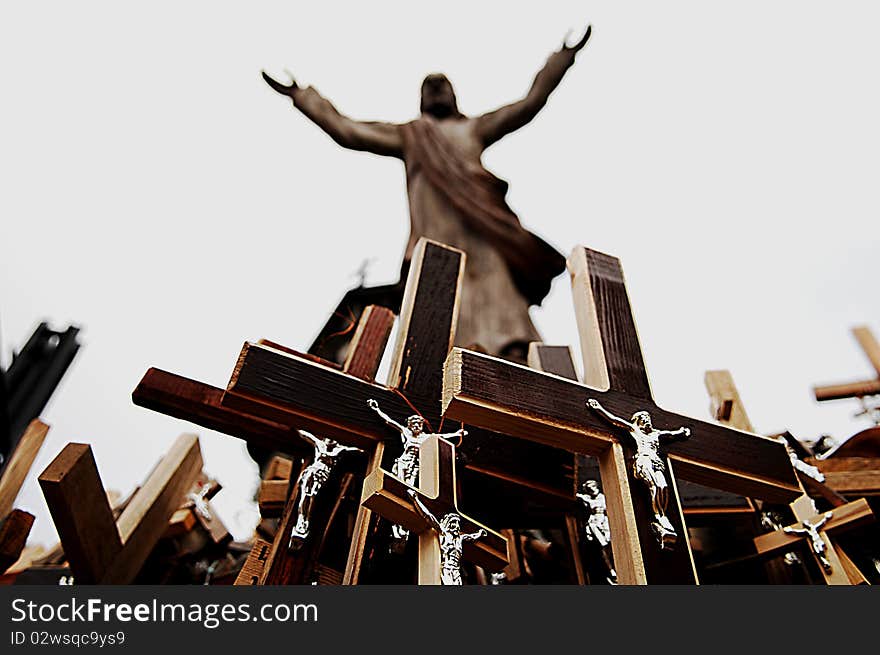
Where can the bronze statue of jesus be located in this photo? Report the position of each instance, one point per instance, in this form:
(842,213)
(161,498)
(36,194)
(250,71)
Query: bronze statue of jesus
(455,200)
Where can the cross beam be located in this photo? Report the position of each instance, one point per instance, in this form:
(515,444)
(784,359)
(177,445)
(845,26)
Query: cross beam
(515,400)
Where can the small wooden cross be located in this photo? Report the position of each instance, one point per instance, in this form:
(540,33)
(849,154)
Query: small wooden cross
(432,512)
(15,524)
(102,550)
(834,564)
(515,400)
(861,388)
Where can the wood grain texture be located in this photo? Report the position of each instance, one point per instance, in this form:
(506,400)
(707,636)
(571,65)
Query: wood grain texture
(519,401)
(81,512)
(19,464)
(200,403)
(14,531)
(602,307)
(369,341)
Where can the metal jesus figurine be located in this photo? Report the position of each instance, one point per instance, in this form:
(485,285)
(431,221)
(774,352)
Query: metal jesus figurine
(648,465)
(451,540)
(816,541)
(807,469)
(406,466)
(453,199)
(597,528)
(312,479)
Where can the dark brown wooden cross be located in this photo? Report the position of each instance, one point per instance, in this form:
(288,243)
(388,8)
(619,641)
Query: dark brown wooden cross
(511,399)
(295,390)
(392,499)
(99,548)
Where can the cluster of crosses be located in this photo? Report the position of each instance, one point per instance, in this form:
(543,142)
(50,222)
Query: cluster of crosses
(347,427)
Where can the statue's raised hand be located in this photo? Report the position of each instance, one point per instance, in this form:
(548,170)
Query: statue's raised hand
(283,89)
(580,44)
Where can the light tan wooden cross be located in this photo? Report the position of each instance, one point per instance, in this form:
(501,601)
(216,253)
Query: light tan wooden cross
(99,549)
(837,568)
(391,498)
(862,388)
(15,524)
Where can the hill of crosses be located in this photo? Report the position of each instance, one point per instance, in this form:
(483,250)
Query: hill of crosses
(482,457)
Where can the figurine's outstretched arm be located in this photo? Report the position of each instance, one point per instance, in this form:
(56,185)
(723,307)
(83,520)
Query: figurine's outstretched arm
(496,124)
(611,418)
(457,433)
(423,511)
(308,436)
(682,433)
(342,449)
(790,530)
(378,138)
(390,421)
(473,536)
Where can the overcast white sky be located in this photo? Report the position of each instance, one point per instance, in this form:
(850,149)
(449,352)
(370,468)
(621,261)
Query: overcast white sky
(158,194)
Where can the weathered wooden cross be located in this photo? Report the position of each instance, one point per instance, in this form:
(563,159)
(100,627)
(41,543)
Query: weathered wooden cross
(835,566)
(99,548)
(529,404)
(445,534)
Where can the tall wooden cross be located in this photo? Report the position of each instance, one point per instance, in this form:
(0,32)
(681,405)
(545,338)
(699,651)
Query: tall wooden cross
(100,549)
(833,563)
(427,512)
(525,403)
(15,524)
(296,390)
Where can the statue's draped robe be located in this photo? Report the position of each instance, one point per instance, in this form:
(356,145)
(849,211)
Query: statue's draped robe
(455,200)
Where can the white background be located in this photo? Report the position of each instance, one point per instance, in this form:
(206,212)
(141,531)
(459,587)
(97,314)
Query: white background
(157,193)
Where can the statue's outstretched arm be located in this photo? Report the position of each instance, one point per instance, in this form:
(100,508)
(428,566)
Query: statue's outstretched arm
(344,449)
(378,138)
(423,511)
(390,421)
(308,436)
(682,433)
(473,536)
(611,418)
(496,124)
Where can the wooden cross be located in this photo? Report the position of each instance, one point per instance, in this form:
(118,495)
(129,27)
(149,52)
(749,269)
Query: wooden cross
(525,403)
(196,509)
(15,524)
(861,388)
(833,563)
(102,550)
(396,501)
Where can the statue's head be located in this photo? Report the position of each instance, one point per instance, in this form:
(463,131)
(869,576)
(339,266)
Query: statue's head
(451,523)
(415,423)
(643,421)
(591,487)
(438,97)
(331,443)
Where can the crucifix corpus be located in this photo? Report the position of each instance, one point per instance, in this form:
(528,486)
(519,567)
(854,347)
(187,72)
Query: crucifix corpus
(453,199)
(515,400)
(446,536)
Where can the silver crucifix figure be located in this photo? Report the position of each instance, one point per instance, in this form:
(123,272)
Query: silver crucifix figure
(598,529)
(406,466)
(803,467)
(451,540)
(648,465)
(199,501)
(312,479)
(817,543)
